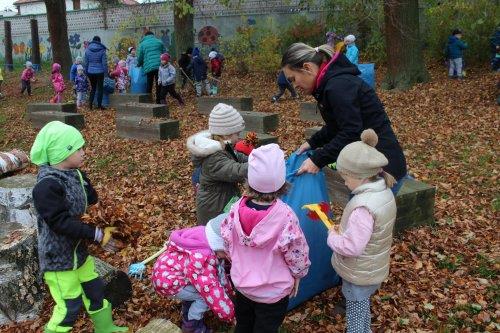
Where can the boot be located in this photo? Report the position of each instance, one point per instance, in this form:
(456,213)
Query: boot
(103,321)
(194,326)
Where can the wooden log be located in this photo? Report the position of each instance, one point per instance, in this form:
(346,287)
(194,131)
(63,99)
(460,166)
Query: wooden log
(118,99)
(260,122)
(16,200)
(206,104)
(147,110)
(21,292)
(40,118)
(117,285)
(160,326)
(61,107)
(147,128)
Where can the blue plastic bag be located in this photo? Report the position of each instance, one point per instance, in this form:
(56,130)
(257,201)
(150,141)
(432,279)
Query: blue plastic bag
(367,73)
(108,88)
(138,81)
(306,189)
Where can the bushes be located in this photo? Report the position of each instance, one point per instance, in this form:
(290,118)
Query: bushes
(477,19)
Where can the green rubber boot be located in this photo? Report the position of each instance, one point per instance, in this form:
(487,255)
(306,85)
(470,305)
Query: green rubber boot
(46,330)
(103,321)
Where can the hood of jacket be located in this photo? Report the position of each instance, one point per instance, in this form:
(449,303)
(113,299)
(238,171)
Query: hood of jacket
(96,47)
(202,145)
(340,67)
(267,230)
(192,239)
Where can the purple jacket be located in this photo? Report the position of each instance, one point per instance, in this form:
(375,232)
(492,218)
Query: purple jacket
(81,83)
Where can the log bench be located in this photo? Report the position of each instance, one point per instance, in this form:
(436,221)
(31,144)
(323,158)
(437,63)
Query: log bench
(263,138)
(38,119)
(149,110)
(141,128)
(206,104)
(61,107)
(118,99)
(260,122)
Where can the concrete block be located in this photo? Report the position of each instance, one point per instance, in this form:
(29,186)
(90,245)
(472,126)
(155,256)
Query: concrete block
(117,99)
(148,110)
(206,104)
(415,200)
(264,139)
(309,112)
(147,128)
(260,122)
(159,325)
(61,107)
(40,118)
(308,132)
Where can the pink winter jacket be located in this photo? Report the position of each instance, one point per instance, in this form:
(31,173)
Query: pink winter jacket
(189,260)
(265,264)
(27,74)
(58,82)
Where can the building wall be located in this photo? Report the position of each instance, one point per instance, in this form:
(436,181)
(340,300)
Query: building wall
(122,22)
(39,7)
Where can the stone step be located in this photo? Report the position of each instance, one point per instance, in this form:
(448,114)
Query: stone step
(117,99)
(40,118)
(151,129)
(264,139)
(142,110)
(159,325)
(61,107)
(309,112)
(260,122)
(206,104)
(415,200)
(308,132)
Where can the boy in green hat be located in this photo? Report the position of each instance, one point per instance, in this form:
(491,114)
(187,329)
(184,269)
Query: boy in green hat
(61,196)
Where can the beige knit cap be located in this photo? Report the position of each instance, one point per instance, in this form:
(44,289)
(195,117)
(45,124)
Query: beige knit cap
(225,120)
(360,159)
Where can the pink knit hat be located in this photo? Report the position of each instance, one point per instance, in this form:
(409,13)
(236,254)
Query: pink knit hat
(266,168)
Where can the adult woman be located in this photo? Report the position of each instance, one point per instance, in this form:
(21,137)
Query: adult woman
(96,66)
(347,104)
(148,57)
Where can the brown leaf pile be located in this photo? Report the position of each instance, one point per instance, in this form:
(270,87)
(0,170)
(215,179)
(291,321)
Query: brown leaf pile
(443,278)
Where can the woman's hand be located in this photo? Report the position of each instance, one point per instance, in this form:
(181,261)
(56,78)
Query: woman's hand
(308,166)
(303,148)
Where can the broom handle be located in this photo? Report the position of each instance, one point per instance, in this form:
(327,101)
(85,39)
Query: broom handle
(163,249)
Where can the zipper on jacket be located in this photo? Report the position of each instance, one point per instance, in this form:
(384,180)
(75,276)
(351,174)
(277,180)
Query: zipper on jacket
(83,188)
(75,257)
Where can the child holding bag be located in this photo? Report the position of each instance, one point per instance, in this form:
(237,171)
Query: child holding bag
(267,248)
(361,247)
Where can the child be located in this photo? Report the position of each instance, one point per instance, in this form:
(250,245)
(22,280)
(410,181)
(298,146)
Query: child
(120,74)
(221,168)
(283,85)
(267,248)
(131,58)
(454,52)
(61,196)
(362,244)
(199,72)
(192,270)
(81,86)
(351,52)
(74,68)
(27,76)
(166,81)
(216,69)
(57,83)
(185,66)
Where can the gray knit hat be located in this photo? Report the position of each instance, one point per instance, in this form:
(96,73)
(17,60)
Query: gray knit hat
(212,231)
(360,159)
(225,120)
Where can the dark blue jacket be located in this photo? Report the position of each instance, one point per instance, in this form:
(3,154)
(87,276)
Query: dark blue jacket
(199,66)
(73,72)
(348,105)
(282,81)
(96,61)
(455,47)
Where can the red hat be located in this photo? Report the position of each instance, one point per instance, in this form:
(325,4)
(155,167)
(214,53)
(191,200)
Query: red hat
(165,57)
(244,147)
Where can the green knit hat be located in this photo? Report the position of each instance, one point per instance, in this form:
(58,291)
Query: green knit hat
(55,142)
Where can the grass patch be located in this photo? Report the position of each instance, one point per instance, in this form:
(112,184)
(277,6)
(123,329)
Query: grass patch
(2,125)
(485,267)
(450,263)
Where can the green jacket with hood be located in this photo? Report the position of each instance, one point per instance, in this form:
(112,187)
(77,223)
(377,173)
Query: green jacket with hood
(221,171)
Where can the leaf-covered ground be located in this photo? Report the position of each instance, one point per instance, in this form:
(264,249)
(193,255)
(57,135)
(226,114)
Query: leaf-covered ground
(443,278)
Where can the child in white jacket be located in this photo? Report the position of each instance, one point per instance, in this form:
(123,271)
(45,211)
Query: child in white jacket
(166,81)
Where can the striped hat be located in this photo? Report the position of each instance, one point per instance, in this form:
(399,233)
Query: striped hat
(225,120)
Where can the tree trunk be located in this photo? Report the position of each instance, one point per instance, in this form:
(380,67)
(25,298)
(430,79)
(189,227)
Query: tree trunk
(35,44)
(183,26)
(9,63)
(405,62)
(58,31)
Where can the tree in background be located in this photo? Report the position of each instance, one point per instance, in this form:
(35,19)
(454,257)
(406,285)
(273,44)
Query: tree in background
(405,61)
(58,31)
(183,25)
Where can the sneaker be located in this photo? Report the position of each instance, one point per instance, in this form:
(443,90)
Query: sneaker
(194,326)
(274,99)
